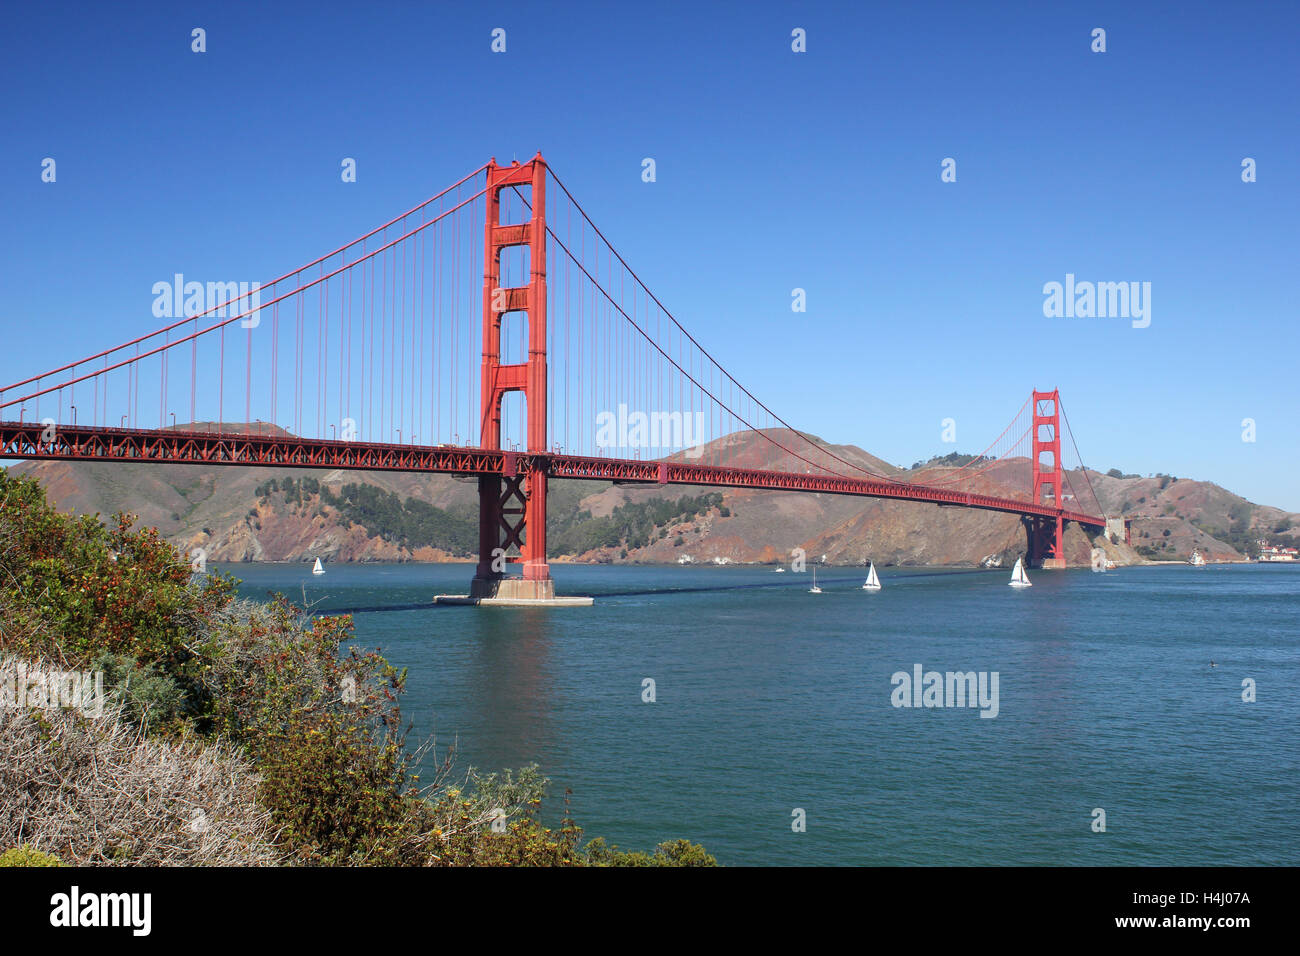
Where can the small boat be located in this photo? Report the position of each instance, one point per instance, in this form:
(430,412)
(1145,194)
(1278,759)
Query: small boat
(317,568)
(780,570)
(1018,577)
(872,583)
(814,589)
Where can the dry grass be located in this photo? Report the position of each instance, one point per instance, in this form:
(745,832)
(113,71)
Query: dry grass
(99,791)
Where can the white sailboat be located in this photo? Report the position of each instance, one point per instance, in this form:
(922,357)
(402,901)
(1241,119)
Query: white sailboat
(814,589)
(872,583)
(1018,577)
(317,568)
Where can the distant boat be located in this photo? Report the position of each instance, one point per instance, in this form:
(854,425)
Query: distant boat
(1197,561)
(872,583)
(780,570)
(1018,577)
(317,568)
(814,589)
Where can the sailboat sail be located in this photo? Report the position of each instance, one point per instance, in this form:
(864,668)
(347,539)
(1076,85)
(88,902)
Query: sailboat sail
(317,568)
(873,582)
(1018,577)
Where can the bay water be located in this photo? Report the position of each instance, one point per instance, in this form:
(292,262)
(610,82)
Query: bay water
(774,735)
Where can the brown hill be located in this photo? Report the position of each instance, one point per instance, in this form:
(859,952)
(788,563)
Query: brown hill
(1171,516)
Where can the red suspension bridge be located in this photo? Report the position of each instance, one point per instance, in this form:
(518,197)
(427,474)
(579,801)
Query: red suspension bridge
(387,354)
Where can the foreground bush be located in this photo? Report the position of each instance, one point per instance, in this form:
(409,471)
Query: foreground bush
(85,589)
(97,790)
(671,853)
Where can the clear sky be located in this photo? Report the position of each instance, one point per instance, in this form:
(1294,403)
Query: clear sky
(775,170)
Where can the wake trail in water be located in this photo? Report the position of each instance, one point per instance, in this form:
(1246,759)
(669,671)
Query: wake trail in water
(665,592)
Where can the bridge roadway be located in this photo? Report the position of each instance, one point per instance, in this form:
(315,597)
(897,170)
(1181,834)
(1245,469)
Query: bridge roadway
(32,440)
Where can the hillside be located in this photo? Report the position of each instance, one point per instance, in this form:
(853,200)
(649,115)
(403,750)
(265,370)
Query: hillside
(237,513)
(1171,516)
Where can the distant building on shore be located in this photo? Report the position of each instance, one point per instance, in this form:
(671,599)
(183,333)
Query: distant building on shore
(1272,552)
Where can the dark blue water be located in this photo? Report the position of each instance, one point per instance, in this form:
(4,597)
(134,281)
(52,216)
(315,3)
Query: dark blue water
(771,699)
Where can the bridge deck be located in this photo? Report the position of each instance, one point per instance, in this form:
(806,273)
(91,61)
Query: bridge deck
(31,440)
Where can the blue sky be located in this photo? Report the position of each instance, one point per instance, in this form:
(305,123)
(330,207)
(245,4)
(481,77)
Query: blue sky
(775,170)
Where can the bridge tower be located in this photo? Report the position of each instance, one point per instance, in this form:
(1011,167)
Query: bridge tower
(1047,535)
(512,506)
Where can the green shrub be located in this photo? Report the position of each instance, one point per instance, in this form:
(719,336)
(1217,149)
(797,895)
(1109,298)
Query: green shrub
(340,796)
(149,697)
(72,589)
(672,853)
(26,856)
